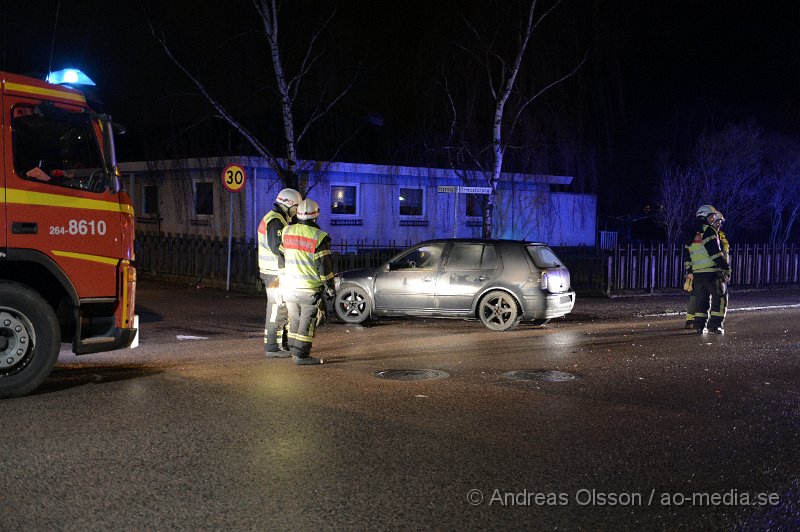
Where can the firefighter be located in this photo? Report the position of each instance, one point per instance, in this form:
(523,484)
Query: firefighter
(725,245)
(689,277)
(709,271)
(271,265)
(309,275)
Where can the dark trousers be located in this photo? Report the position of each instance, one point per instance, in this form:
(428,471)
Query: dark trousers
(711,301)
(277,318)
(302,307)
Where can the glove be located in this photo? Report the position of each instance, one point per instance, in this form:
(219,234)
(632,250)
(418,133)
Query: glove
(687,285)
(722,288)
(725,275)
(330,293)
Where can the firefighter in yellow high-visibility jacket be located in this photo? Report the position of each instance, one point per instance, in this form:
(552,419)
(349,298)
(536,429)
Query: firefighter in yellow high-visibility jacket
(725,245)
(308,275)
(709,272)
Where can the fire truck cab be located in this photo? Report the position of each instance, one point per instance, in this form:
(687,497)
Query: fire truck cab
(66,232)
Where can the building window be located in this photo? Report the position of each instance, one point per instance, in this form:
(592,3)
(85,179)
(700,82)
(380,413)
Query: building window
(412,201)
(344,199)
(475,203)
(203,198)
(150,200)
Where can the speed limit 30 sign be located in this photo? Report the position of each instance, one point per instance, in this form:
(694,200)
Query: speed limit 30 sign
(234,178)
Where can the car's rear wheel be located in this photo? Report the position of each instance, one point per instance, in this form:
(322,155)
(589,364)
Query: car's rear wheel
(352,304)
(498,311)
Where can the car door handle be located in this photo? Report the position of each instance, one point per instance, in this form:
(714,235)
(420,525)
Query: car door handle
(482,278)
(427,279)
(24,228)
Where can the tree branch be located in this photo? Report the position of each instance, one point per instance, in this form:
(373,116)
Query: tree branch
(308,59)
(549,86)
(221,111)
(317,115)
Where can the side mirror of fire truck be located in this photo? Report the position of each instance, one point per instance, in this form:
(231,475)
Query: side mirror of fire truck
(109,130)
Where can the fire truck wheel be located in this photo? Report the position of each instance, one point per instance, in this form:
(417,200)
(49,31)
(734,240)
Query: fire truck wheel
(29,339)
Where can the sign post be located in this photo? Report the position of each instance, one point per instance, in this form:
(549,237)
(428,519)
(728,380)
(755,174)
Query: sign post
(450,189)
(234,178)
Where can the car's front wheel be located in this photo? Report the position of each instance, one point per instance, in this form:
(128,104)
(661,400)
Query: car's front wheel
(352,304)
(498,311)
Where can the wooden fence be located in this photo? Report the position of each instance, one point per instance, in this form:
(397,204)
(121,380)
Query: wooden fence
(625,268)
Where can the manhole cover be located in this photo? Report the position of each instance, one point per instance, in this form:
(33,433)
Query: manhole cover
(540,375)
(412,374)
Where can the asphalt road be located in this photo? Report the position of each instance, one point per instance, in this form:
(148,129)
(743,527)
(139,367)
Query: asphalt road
(653,428)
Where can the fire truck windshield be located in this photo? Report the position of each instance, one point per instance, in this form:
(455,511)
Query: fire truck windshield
(58,147)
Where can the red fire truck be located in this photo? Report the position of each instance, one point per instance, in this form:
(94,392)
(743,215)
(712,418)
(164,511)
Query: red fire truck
(66,232)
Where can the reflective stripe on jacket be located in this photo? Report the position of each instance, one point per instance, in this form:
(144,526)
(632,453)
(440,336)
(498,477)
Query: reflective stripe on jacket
(269,262)
(301,248)
(703,258)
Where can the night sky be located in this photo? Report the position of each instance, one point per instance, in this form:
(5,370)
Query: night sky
(658,73)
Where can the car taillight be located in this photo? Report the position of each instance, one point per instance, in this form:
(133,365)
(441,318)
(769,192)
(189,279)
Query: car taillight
(543,281)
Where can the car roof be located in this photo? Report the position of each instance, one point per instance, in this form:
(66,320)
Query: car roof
(484,241)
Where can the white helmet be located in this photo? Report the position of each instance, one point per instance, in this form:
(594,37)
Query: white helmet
(288,197)
(308,210)
(706,211)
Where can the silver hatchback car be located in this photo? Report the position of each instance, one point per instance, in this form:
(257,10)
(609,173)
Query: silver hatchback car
(500,282)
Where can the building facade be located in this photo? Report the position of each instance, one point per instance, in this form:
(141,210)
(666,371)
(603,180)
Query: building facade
(358,202)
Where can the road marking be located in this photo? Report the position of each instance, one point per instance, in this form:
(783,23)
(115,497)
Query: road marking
(739,309)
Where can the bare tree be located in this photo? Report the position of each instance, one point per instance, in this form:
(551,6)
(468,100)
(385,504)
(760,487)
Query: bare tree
(677,192)
(782,187)
(726,171)
(499,64)
(730,165)
(288,83)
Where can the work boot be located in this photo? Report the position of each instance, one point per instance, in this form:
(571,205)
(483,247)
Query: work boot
(280,353)
(306,360)
(701,330)
(689,324)
(716,330)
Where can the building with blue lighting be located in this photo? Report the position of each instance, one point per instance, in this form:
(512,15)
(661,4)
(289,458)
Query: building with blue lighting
(359,202)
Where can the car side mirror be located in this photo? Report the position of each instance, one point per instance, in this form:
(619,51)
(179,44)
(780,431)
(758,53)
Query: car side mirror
(387,267)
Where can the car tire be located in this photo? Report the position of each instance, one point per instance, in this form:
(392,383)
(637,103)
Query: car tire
(352,304)
(30,339)
(498,311)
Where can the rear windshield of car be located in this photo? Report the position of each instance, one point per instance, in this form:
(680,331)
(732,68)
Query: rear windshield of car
(544,257)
